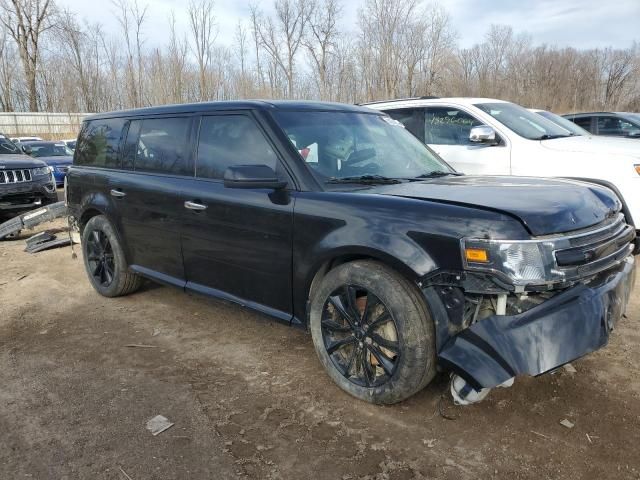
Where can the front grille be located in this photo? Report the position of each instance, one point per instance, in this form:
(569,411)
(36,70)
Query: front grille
(15,176)
(598,249)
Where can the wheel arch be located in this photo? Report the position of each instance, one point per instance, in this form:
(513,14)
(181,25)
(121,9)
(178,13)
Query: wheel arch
(338,257)
(93,210)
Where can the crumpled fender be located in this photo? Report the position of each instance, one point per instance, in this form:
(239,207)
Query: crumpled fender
(574,323)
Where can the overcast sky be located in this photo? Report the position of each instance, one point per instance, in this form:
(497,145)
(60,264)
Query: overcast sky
(577,23)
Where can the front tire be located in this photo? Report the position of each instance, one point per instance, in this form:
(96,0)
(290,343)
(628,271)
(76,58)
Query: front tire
(105,261)
(372,332)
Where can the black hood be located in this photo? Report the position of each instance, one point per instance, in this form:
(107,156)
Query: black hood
(543,205)
(9,162)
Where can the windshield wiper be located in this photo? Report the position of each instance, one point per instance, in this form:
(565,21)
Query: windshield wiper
(546,136)
(364,179)
(436,173)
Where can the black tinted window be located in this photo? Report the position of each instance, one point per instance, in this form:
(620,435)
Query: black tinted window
(227,140)
(584,122)
(130,146)
(98,143)
(411,118)
(614,126)
(448,126)
(163,146)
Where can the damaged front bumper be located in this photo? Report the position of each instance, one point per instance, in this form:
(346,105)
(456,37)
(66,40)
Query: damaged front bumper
(569,325)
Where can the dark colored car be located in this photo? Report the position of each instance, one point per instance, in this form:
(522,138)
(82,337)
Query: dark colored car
(335,218)
(25,183)
(613,124)
(55,154)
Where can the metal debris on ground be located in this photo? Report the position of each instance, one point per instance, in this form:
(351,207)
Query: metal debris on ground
(45,241)
(159,424)
(566,423)
(570,368)
(11,228)
(140,345)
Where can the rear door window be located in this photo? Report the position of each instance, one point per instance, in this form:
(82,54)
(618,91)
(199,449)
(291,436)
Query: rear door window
(99,142)
(584,122)
(228,140)
(411,118)
(162,146)
(448,126)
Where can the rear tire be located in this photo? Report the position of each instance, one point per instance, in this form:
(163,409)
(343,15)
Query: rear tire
(105,261)
(385,351)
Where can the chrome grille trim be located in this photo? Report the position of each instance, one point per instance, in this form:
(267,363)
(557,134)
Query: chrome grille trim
(602,248)
(21,175)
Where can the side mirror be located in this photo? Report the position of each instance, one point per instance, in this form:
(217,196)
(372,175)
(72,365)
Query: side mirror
(252,176)
(482,134)
(27,149)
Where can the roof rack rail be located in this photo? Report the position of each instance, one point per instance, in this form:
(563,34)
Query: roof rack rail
(424,97)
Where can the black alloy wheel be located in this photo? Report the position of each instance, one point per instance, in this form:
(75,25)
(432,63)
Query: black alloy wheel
(100,258)
(360,336)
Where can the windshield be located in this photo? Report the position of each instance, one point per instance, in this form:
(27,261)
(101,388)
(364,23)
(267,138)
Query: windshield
(49,150)
(8,147)
(563,122)
(634,117)
(342,145)
(523,122)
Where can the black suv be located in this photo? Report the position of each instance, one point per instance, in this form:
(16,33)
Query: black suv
(612,124)
(335,218)
(25,183)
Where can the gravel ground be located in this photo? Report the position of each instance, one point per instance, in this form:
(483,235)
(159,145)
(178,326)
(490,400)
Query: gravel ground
(249,399)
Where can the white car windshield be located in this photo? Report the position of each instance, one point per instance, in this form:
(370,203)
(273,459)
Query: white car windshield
(345,145)
(523,122)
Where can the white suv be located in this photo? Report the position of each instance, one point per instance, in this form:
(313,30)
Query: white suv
(484,136)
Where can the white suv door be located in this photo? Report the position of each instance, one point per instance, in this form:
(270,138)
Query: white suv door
(446,130)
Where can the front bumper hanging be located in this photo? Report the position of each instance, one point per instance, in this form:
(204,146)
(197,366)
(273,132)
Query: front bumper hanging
(574,323)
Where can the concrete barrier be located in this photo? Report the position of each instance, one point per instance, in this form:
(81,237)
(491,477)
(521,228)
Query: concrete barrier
(49,126)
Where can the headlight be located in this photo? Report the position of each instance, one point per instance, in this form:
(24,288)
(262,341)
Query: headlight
(41,171)
(522,263)
(552,260)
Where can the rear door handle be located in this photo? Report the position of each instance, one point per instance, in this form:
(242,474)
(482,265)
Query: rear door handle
(194,206)
(118,193)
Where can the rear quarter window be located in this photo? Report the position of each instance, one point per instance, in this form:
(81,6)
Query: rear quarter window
(98,143)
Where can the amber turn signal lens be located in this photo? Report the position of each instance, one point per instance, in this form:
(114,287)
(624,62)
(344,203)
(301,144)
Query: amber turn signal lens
(476,255)
(637,168)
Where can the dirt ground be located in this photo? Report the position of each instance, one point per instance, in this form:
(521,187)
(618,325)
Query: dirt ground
(249,398)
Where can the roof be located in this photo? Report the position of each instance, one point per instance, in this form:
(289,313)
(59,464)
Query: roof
(285,105)
(622,114)
(421,101)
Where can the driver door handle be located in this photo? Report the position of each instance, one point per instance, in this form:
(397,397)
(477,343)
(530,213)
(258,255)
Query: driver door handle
(118,193)
(194,206)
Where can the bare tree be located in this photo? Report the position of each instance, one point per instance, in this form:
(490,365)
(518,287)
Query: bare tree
(203,31)
(282,36)
(7,72)
(26,21)
(298,49)
(131,18)
(321,42)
